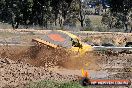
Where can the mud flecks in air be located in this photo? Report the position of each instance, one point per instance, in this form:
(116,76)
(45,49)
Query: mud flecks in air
(41,55)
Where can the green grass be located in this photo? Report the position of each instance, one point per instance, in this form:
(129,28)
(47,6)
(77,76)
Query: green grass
(87,39)
(96,24)
(88,29)
(95,20)
(43,84)
(54,84)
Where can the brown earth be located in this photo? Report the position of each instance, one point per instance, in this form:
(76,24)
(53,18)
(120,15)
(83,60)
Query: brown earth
(35,55)
(15,72)
(18,74)
(20,65)
(41,55)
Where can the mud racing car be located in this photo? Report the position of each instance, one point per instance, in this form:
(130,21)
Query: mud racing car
(59,38)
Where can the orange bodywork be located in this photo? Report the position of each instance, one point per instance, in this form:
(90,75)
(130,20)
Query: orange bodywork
(56,37)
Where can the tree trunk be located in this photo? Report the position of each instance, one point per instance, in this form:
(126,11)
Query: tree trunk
(46,25)
(60,22)
(126,23)
(81,23)
(131,30)
(126,28)
(55,22)
(81,15)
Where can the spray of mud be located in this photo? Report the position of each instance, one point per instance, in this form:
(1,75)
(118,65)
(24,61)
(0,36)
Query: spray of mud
(41,55)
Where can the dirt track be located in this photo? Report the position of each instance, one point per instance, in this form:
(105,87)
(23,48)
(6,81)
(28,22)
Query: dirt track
(19,73)
(49,57)
(43,60)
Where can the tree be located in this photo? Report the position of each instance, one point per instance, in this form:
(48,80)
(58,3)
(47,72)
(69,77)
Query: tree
(76,11)
(81,13)
(27,12)
(122,7)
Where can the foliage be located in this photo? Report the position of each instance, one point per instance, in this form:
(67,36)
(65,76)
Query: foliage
(101,29)
(76,11)
(123,7)
(71,22)
(113,21)
(88,22)
(35,12)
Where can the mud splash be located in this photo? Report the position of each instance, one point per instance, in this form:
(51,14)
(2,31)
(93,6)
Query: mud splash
(49,57)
